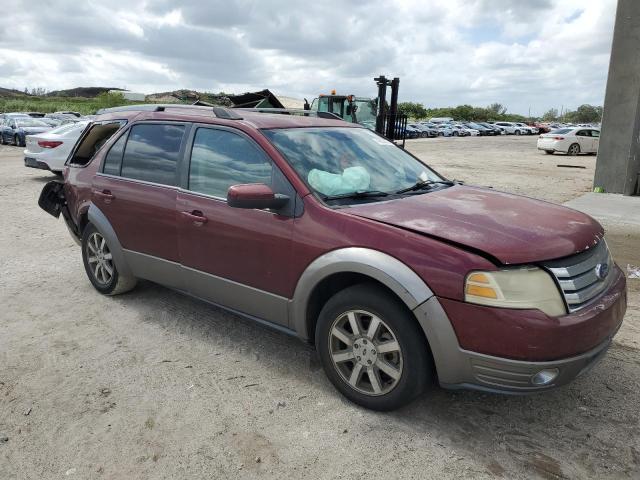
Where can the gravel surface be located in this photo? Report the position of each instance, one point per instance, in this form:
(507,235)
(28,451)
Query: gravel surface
(154,384)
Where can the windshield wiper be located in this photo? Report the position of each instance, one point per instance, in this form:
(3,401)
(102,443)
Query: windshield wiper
(425,184)
(363,194)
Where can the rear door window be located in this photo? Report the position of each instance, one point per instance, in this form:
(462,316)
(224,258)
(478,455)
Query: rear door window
(152,153)
(220,159)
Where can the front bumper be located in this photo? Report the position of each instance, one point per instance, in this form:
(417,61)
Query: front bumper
(501,375)
(571,344)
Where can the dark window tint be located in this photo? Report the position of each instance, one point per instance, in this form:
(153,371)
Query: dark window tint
(595,133)
(113,160)
(584,133)
(152,153)
(220,159)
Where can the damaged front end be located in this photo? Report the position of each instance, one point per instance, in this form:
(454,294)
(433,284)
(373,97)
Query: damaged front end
(52,200)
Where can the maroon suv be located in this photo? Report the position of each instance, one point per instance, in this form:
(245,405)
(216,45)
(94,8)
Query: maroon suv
(328,231)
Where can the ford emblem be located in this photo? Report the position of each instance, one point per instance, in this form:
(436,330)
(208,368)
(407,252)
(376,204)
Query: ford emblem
(602,270)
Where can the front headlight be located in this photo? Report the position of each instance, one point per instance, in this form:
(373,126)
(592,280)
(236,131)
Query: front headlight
(521,288)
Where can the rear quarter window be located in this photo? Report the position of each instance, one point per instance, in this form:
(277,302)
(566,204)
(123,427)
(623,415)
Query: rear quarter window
(92,140)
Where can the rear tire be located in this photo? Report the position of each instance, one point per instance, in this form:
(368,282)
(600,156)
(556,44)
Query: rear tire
(574,149)
(517,132)
(455,134)
(549,152)
(382,369)
(99,264)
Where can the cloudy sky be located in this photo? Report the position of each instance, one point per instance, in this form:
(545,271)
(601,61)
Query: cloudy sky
(533,54)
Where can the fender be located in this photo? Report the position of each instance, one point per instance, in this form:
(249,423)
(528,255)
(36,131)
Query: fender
(99,220)
(389,271)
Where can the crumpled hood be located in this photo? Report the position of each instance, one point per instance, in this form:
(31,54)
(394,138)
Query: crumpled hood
(510,228)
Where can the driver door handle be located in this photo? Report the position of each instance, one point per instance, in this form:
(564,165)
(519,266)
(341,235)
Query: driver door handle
(196,216)
(106,195)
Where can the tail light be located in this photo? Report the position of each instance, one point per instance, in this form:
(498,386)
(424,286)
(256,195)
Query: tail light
(558,138)
(49,143)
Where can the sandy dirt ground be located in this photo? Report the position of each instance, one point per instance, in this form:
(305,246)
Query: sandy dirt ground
(154,384)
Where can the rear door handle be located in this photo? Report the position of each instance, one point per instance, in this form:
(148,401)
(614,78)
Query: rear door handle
(106,195)
(196,217)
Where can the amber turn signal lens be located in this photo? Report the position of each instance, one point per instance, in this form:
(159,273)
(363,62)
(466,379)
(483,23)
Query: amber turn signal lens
(478,278)
(478,291)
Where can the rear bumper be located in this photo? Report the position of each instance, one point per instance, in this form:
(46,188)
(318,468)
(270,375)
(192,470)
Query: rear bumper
(33,163)
(506,356)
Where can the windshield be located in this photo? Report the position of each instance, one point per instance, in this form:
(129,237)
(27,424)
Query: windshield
(366,113)
(338,161)
(562,130)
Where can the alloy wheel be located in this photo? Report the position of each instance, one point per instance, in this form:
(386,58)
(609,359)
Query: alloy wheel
(365,352)
(574,149)
(100,259)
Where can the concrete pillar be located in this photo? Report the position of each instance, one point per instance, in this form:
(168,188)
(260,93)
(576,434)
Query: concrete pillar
(618,164)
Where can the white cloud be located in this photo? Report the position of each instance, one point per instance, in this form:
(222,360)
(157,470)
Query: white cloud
(537,54)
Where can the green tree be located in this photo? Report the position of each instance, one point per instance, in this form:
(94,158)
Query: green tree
(550,115)
(497,109)
(588,114)
(412,110)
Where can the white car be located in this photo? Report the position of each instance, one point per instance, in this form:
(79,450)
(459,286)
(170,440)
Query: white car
(527,128)
(471,131)
(459,130)
(49,150)
(571,141)
(512,128)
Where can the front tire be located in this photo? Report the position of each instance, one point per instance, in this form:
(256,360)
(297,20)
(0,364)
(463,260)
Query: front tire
(372,348)
(517,132)
(16,141)
(574,149)
(99,264)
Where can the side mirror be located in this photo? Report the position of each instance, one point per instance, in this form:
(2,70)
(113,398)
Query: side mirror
(255,195)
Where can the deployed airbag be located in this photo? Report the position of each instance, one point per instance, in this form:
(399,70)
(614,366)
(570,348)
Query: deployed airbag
(352,179)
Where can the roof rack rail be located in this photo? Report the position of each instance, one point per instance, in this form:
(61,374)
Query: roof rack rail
(293,111)
(220,112)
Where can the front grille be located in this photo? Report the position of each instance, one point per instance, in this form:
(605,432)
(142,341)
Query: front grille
(578,275)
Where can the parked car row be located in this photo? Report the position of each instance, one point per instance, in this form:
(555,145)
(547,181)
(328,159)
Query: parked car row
(48,137)
(447,127)
(431,129)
